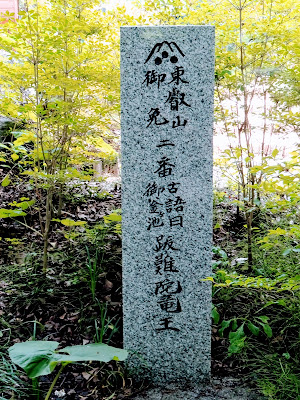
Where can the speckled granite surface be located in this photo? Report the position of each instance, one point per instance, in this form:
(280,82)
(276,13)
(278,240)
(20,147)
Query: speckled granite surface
(218,389)
(167,76)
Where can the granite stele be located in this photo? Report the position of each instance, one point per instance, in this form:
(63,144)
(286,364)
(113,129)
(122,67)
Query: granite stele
(167,75)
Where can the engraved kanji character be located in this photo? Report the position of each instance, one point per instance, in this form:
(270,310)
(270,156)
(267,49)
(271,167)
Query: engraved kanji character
(155,222)
(177,74)
(168,244)
(165,167)
(176,98)
(177,123)
(165,323)
(153,114)
(179,203)
(169,205)
(165,263)
(153,76)
(152,189)
(154,206)
(173,187)
(170,304)
(168,287)
(176,221)
(165,142)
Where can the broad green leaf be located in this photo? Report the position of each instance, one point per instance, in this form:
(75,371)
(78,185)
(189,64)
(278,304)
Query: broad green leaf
(252,328)
(93,352)
(36,358)
(6,213)
(40,358)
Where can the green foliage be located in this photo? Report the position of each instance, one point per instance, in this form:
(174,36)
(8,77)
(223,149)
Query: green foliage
(94,270)
(11,383)
(282,283)
(39,357)
(106,327)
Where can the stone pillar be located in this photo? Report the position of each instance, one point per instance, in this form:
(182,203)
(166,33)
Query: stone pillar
(167,84)
(98,168)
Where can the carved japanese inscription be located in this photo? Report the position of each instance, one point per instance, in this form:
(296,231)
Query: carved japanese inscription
(167,112)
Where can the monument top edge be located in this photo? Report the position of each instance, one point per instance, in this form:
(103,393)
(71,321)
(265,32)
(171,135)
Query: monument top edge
(167,26)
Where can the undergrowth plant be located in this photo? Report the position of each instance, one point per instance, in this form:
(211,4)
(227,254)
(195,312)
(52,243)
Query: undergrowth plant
(40,358)
(259,317)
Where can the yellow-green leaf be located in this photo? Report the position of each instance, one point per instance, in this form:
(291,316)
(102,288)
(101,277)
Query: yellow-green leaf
(15,156)
(6,181)
(71,222)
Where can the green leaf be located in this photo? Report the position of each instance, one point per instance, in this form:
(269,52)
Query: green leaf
(36,358)
(71,222)
(253,328)
(15,156)
(237,334)
(234,324)
(237,340)
(112,218)
(24,204)
(215,315)
(6,181)
(224,325)
(264,319)
(236,345)
(93,352)
(275,152)
(6,213)
(40,358)
(286,252)
(268,331)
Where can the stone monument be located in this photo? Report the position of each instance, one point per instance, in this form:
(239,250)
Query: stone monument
(167,80)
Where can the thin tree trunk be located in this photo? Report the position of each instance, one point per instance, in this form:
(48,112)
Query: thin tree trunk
(47,228)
